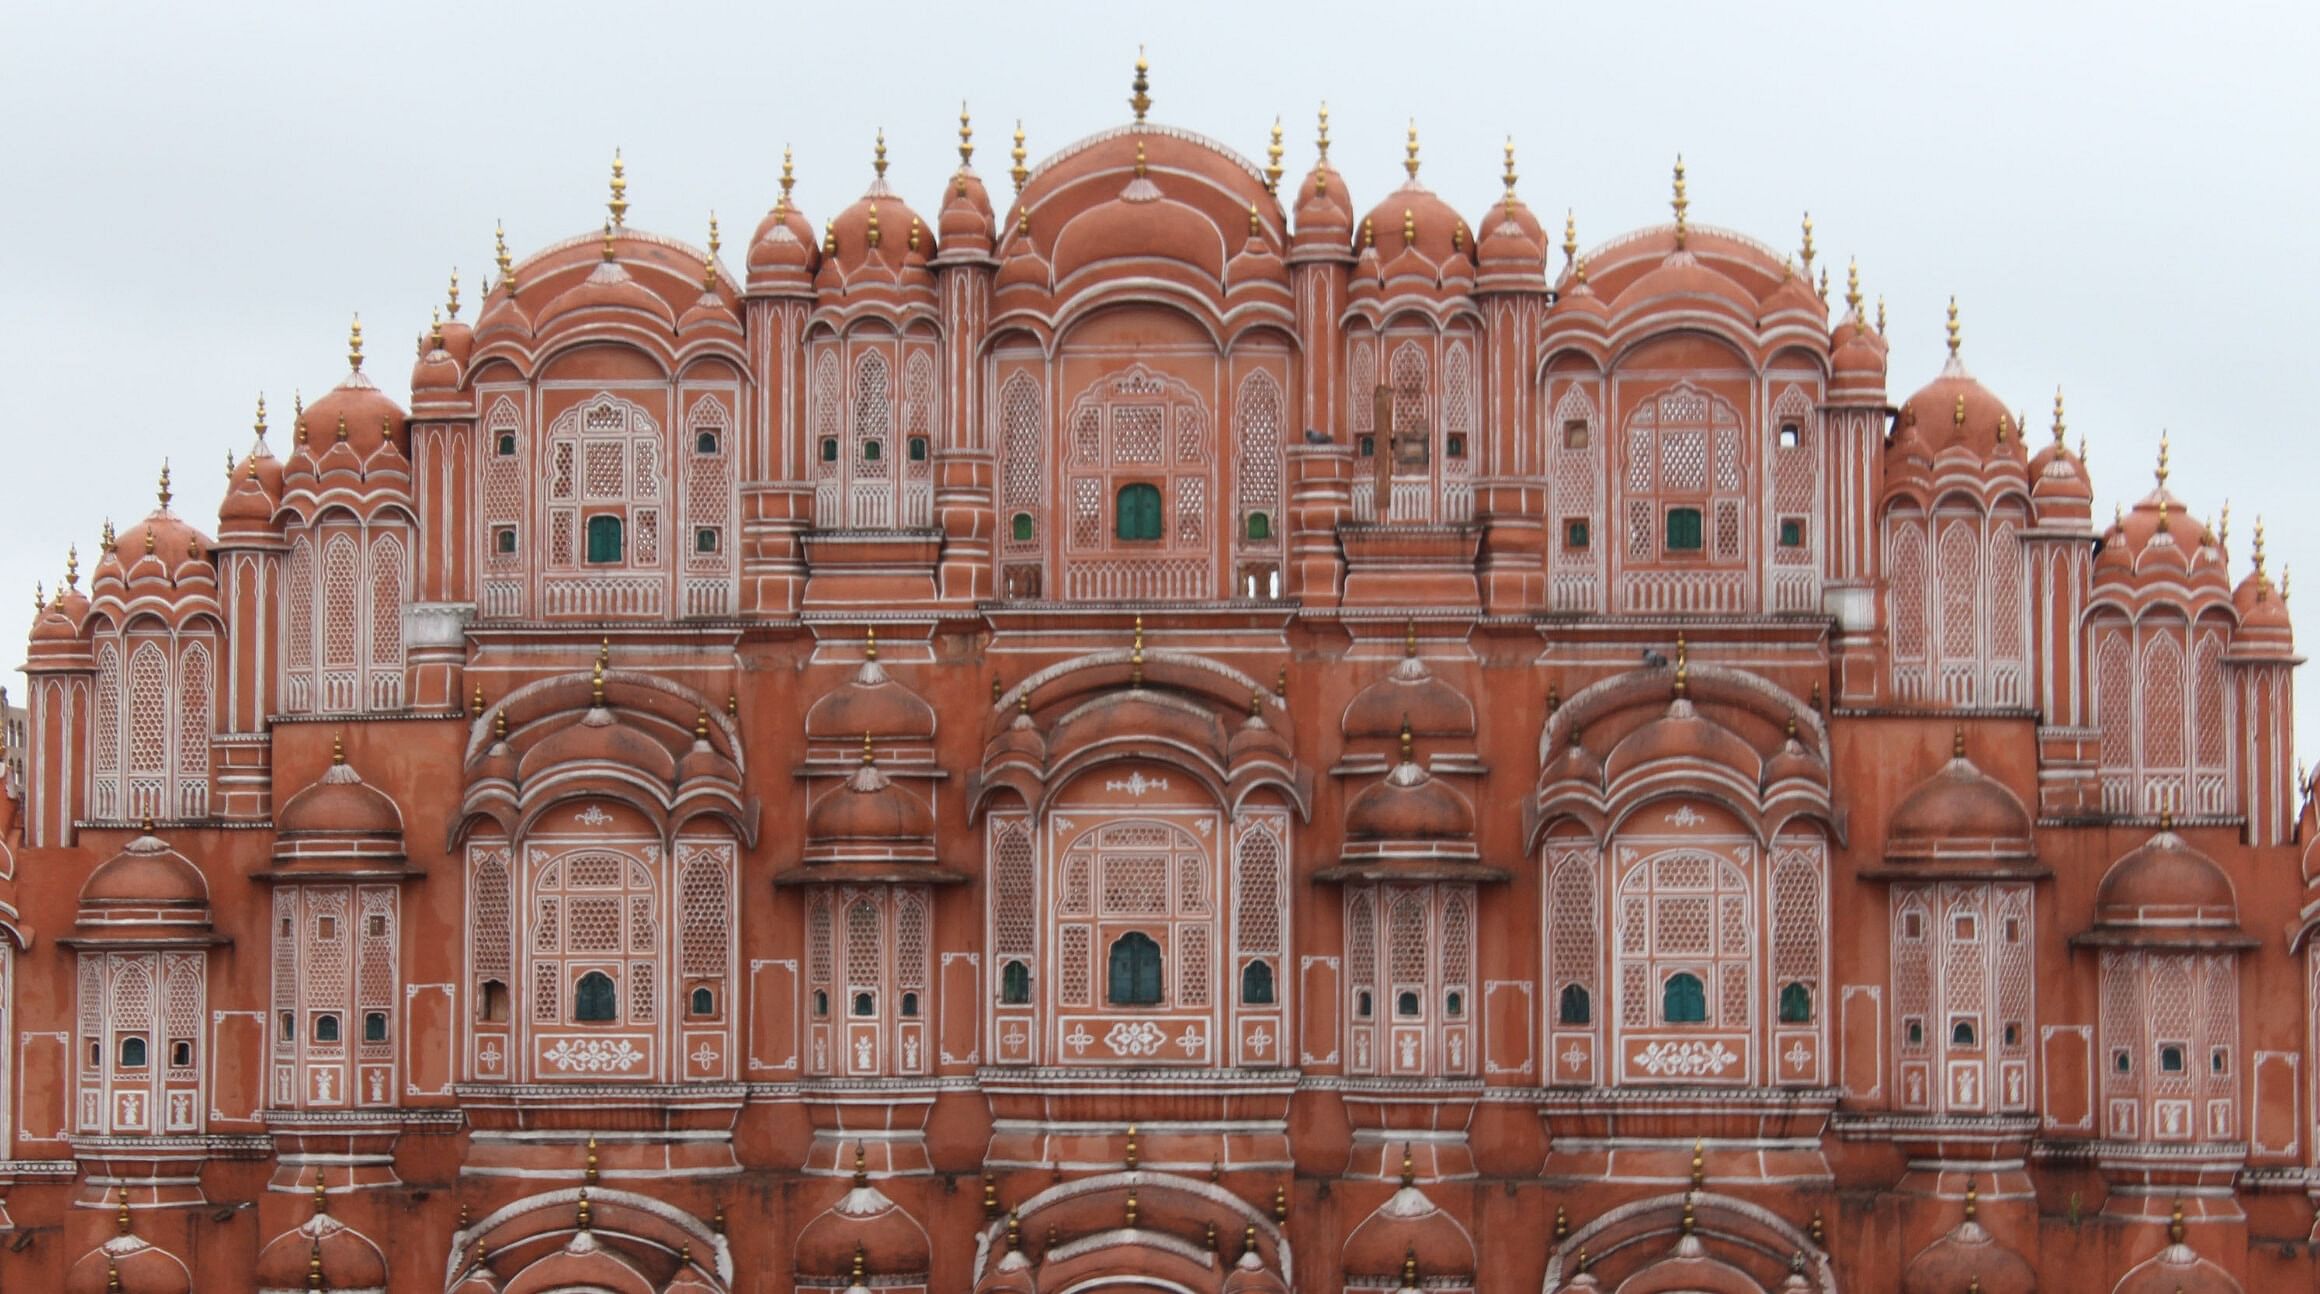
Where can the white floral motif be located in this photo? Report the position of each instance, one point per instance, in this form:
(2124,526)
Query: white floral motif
(1137,784)
(1142,1038)
(592,816)
(1079,1039)
(1574,1056)
(594,1055)
(1797,1054)
(705,1055)
(1194,1042)
(1260,1041)
(1686,1059)
(1686,816)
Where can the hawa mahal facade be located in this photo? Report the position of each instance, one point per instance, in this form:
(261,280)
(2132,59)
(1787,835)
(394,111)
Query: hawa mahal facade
(1174,733)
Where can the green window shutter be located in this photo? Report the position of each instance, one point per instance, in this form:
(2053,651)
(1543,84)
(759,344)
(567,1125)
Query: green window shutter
(604,539)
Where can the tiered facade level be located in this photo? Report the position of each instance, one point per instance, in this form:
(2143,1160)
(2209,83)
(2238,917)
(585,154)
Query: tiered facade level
(1183,736)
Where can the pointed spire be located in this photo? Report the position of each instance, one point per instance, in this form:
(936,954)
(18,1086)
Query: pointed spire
(507,275)
(1683,665)
(788,178)
(1880,316)
(2259,568)
(354,343)
(1139,157)
(618,206)
(2175,1222)
(966,138)
(588,1171)
(1680,203)
(869,756)
(2059,426)
(1018,172)
(1140,89)
(1130,1158)
(1570,238)
(1509,177)
(1136,656)
(878,154)
(1321,152)
(260,425)
(1410,151)
(451,303)
(72,567)
(861,1168)
(1406,742)
(2160,473)
(1273,152)
(871,234)
(1953,326)
(2223,526)
(1807,252)
(1409,1173)
(1853,288)
(608,250)
(163,490)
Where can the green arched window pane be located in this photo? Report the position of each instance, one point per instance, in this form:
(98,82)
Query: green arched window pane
(1683,1000)
(1137,515)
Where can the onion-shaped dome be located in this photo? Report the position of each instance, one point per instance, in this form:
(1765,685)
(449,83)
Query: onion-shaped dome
(1410,694)
(784,253)
(1021,739)
(1683,733)
(878,248)
(1578,316)
(1960,816)
(1249,1275)
(1681,281)
(1512,255)
(868,811)
(1968,1256)
(58,623)
(253,484)
(1793,301)
(370,419)
(2060,488)
(2177,1269)
(1409,1227)
(703,760)
(1409,804)
(2165,892)
(1256,738)
(600,737)
(1857,353)
(321,1253)
(1794,764)
(609,292)
(339,818)
(863,1221)
(2263,613)
(1689,1269)
(1424,247)
(1956,415)
(584,1263)
(435,371)
(966,225)
(128,1264)
(2158,541)
(1574,763)
(1024,266)
(872,702)
(1324,207)
(161,557)
(503,317)
(147,885)
(1257,267)
(711,314)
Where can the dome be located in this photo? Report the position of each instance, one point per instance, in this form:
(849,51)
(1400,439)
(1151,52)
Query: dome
(147,873)
(703,760)
(891,1242)
(600,737)
(2165,891)
(608,290)
(868,806)
(877,245)
(1512,253)
(1857,357)
(162,556)
(127,1264)
(1959,814)
(358,405)
(1964,1255)
(2160,541)
(1408,1227)
(784,252)
(2263,613)
(965,224)
(1682,276)
(1249,1274)
(1324,208)
(2176,1269)
(1689,1270)
(344,1257)
(1409,804)
(340,802)
(1409,695)
(1683,733)
(1422,243)
(1257,265)
(871,703)
(434,371)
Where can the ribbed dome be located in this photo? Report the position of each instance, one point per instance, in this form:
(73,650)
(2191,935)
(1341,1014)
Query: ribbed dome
(2165,888)
(339,803)
(891,1241)
(1409,1226)
(871,702)
(601,737)
(868,806)
(1959,814)
(147,873)
(1409,804)
(1683,733)
(966,222)
(881,246)
(1410,694)
(345,1259)
(1966,1254)
(370,418)
(128,1264)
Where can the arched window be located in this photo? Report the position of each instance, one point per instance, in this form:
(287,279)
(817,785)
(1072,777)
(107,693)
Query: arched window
(133,1052)
(1363,1005)
(594,1000)
(1406,1004)
(494,1003)
(821,1004)
(181,1054)
(1135,971)
(1260,526)
(1021,528)
(374,1026)
(910,1006)
(829,449)
(1683,1000)
(604,539)
(326,1027)
(704,1000)
(1683,530)
(1961,1033)
(1573,1007)
(873,450)
(1136,516)
(705,442)
(505,446)
(2171,1059)
(1795,1004)
(918,449)
(1257,984)
(865,1004)
(1015,984)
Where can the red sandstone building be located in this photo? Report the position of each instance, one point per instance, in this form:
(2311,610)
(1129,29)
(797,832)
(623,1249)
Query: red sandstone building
(1181,734)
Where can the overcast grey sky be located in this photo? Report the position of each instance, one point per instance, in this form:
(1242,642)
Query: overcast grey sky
(198,196)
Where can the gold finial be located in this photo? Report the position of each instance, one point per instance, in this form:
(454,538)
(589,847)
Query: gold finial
(106,540)
(2160,474)
(1410,638)
(1256,703)
(1018,172)
(163,490)
(830,236)
(991,1195)
(337,760)
(2058,423)
(1957,741)
(1131,1154)
(861,1264)
(868,757)
(1570,237)
(1880,316)
(1808,245)
(1824,285)
(2175,1222)
(477,707)
(732,705)
(1369,231)
(715,244)
(260,427)
(1140,98)
(434,332)
(72,567)
(1853,288)
(618,206)
(1139,157)
(1409,1267)
(1581,1263)
(1280,1204)
(354,343)
(1688,1221)
(596,684)
(1562,1224)
(451,306)
(872,236)
(507,276)
(588,1173)
(1131,1210)
(861,1167)
(966,138)
(39,599)
(1509,176)
(1973,1196)
(2259,544)
(1410,151)
(342,427)
(1957,415)
(1136,656)
(1409,227)
(1256,222)
(122,1219)
(1953,326)
(499,723)
(1406,743)
(608,253)
(717,1219)
(878,154)
(1681,204)
(582,1215)
(709,261)
(2082,449)
(788,175)
(2223,526)
(1409,1172)
(1683,665)
(700,723)
(1699,1162)
(2287,569)
(1273,152)
(1014,1232)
